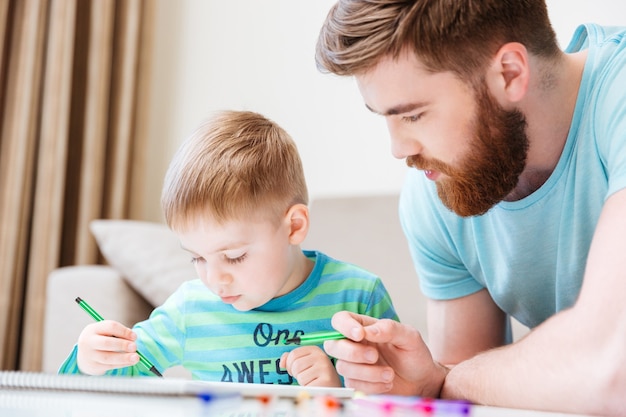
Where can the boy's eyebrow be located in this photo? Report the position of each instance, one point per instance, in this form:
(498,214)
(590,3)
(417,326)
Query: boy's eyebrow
(225,248)
(399,109)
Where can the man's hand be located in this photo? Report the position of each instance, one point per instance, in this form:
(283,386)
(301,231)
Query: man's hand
(384,356)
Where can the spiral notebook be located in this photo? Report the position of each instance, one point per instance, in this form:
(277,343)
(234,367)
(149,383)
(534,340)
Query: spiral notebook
(157,386)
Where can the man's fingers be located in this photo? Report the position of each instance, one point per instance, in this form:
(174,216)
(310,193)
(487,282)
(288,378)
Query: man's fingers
(367,387)
(360,327)
(355,351)
(391,331)
(351,324)
(362,372)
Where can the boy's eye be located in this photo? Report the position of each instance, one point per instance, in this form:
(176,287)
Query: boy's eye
(195,260)
(236,260)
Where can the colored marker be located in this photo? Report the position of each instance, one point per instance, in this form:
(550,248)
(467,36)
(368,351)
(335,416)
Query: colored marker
(314,338)
(418,405)
(97,317)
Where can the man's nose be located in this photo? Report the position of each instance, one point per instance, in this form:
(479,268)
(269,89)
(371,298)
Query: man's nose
(402,144)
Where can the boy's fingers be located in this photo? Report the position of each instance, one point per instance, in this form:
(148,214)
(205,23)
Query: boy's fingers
(113,344)
(115,329)
(117,360)
(283,360)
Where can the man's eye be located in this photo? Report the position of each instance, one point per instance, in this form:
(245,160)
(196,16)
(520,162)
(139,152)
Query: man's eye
(412,119)
(195,260)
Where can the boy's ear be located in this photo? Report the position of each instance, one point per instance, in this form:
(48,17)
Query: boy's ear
(297,218)
(509,74)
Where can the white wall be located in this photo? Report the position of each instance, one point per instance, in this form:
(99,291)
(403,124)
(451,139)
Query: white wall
(566,15)
(259,55)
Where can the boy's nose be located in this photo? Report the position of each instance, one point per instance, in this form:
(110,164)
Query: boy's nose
(221,278)
(216,276)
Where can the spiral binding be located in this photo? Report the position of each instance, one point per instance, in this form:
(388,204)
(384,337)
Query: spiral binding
(106,384)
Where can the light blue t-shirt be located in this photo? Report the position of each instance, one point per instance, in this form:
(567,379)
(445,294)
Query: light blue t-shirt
(530,254)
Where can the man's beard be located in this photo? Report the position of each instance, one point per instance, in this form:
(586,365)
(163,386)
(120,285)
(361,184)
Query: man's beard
(492,168)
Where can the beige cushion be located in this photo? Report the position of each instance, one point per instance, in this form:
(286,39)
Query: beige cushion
(148,255)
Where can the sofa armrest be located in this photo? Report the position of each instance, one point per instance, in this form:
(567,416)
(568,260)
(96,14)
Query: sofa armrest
(103,288)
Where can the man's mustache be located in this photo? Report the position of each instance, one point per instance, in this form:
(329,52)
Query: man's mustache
(423,164)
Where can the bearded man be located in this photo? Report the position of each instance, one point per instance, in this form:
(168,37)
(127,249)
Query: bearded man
(516,208)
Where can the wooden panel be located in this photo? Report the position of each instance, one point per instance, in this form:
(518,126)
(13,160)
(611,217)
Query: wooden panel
(50,181)
(56,139)
(125,66)
(16,165)
(5,29)
(142,112)
(95,127)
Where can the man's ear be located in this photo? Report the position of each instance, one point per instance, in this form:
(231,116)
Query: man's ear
(509,74)
(297,218)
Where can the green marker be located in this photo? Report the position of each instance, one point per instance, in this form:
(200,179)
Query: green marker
(97,317)
(314,338)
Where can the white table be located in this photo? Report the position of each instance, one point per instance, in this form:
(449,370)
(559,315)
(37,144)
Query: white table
(38,403)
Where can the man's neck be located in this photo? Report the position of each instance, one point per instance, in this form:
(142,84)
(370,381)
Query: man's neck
(549,109)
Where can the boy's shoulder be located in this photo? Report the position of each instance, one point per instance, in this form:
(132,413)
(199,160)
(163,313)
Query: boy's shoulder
(327,266)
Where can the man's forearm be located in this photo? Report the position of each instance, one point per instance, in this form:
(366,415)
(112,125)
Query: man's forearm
(550,369)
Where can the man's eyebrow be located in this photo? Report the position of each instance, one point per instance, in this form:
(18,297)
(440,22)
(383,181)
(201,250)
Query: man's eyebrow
(399,109)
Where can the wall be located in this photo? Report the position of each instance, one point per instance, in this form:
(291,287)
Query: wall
(259,55)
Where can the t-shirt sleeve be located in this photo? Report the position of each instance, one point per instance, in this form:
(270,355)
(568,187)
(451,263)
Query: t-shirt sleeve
(380,305)
(610,128)
(162,337)
(431,231)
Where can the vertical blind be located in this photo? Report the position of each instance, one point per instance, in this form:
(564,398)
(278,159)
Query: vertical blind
(72,120)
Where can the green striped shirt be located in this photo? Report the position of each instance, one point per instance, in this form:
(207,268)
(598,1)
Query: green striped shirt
(216,342)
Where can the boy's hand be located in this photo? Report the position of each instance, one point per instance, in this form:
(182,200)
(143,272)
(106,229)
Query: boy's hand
(106,345)
(311,367)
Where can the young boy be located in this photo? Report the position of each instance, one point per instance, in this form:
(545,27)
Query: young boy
(236,196)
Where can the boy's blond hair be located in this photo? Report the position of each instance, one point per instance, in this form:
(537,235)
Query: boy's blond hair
(236,165)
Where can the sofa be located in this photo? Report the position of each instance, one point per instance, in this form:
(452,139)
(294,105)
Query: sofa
(144,264)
